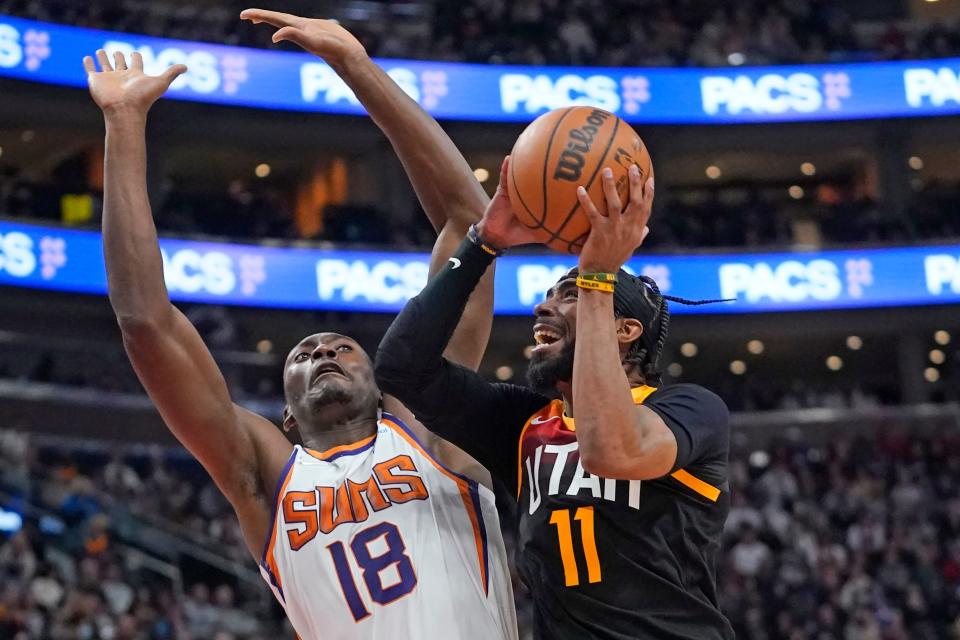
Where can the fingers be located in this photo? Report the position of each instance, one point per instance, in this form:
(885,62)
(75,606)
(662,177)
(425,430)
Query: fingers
(289,34)
(274,18)
(173,73)
(119,62)
(588,206)
(641,198)
(136,61)
(644,234)
(104,60)
(646,207)
(89,65)
(504,172)
(636,186)
(610,192)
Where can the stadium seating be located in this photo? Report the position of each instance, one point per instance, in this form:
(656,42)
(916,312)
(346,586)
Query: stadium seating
(588,32)
(851,537)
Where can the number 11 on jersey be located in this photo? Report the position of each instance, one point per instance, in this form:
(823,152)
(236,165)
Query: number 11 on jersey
(584,515)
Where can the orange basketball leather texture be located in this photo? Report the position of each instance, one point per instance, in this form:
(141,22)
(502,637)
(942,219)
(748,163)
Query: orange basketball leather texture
(560,151)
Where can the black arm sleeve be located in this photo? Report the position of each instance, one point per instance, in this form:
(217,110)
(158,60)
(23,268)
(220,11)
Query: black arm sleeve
(698,418)
(454,402)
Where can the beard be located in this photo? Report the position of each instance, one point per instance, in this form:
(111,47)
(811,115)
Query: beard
(544,372)
(330,394)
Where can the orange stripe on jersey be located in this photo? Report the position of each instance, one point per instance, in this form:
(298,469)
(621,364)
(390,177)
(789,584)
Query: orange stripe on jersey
(641,393)
(520,445)
(520,457)
(464,487)
(270,560)
(339,449)
(708,491)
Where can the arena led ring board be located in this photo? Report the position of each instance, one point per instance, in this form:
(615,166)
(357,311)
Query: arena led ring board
(219,74)
(61,259)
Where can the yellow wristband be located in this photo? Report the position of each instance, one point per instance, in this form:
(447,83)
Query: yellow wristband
(595,285)
(475,239)
(600,277)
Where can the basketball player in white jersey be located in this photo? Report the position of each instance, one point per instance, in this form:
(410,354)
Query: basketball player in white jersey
(372,528)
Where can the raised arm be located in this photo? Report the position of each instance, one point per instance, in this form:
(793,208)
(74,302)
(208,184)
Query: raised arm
(453,401)
(244,453)
(443,181)
(617,438)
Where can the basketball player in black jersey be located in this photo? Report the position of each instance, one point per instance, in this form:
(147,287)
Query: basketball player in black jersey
(622,484)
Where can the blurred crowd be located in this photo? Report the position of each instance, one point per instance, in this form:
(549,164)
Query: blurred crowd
(678,33)
(858,540)
(241,210)
(102,365)
(855,539)
(246,210)
(70,575)
(755,219)
(588,32)
(698,218)
(99,365)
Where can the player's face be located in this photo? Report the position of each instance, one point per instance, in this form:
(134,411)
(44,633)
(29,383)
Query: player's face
(554,332)
(327,369)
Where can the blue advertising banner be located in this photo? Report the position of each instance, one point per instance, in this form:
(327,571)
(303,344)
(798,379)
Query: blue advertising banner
(60,259)
(219,74)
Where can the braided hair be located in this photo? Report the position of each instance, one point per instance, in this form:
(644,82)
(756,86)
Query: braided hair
(645,354)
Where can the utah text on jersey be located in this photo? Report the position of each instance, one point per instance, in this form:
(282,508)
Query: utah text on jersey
(551,432)
(550,461)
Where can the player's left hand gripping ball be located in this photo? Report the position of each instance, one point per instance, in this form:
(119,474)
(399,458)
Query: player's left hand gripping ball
(614,236)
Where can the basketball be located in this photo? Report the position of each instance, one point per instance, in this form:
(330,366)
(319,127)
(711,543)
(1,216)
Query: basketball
(560,151)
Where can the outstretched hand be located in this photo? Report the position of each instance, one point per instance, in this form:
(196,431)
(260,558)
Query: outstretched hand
(117,87)
(323,38)
(614,236)
(499,225)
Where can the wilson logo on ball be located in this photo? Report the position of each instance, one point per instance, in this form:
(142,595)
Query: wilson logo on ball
(570,166)
(560,151)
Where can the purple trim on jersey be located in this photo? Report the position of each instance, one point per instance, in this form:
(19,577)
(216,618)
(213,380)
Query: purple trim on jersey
(273,522)
(409,432)
(367,443)
(474,493)
(276,585)
(475,497)
(351,452)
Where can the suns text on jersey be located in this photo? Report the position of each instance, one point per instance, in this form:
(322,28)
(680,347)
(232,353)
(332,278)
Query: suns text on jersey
(307,513)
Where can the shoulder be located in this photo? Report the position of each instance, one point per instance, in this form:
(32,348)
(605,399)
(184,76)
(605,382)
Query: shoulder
(524,401)
(698,418)
(446,454)
(691,398)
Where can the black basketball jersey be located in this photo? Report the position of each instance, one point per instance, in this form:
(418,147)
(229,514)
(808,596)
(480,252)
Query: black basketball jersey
(625,559)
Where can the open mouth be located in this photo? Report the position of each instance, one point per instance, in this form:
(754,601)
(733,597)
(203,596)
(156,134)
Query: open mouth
(544,336)
(327,368)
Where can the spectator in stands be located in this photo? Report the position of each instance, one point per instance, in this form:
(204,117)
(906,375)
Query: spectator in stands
(680,33)
(856,538)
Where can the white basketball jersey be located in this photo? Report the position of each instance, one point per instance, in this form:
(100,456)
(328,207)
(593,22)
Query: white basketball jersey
(377,539)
